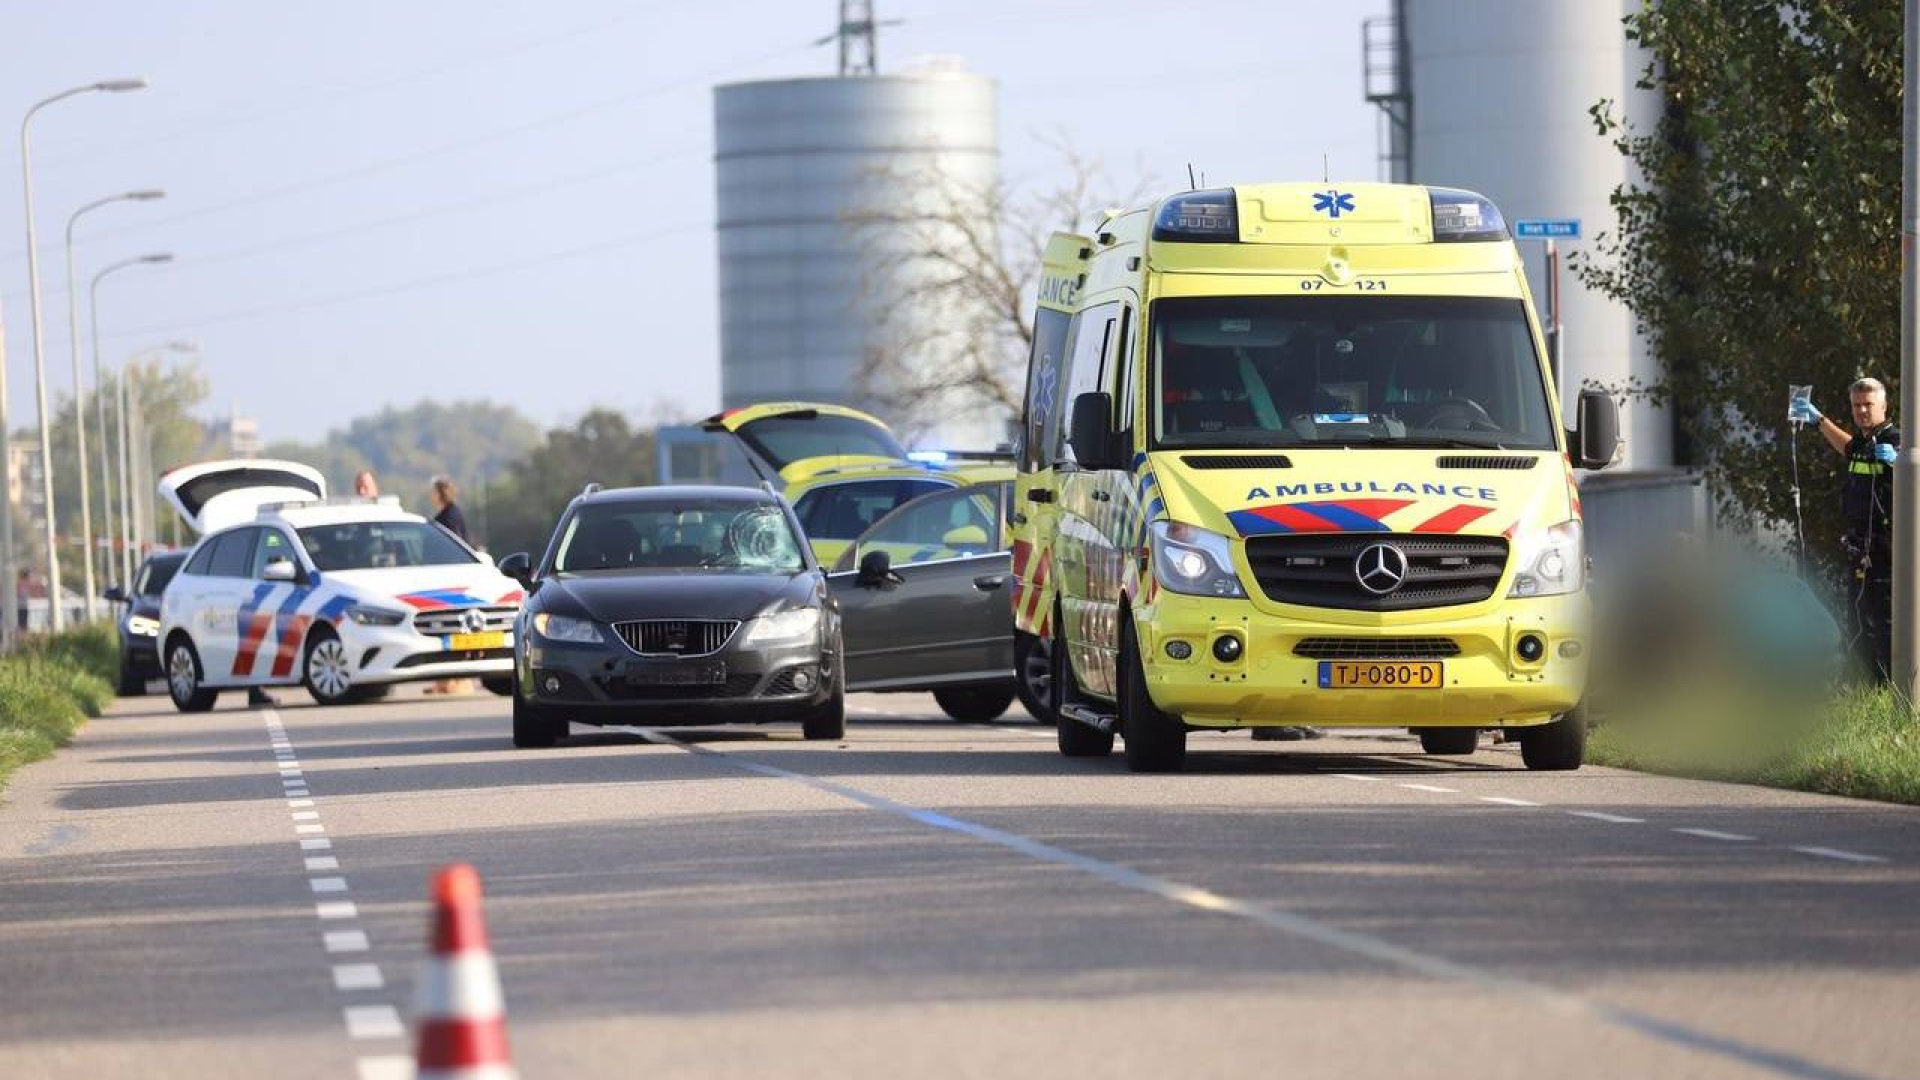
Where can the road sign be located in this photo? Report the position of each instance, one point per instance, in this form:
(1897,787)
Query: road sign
(1547,228)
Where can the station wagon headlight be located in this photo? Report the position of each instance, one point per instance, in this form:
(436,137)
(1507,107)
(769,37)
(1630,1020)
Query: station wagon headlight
(562,628)
(783,627)
(1552,560)
(369,615)
(1191,560)
(141,626)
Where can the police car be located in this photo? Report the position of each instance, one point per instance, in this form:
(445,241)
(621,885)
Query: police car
(345,597)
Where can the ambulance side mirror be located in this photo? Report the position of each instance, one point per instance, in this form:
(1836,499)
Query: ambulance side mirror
(1090,434)
(1596,434)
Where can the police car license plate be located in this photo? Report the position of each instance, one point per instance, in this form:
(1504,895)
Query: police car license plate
(1379,675)
(492,639)
(677,675)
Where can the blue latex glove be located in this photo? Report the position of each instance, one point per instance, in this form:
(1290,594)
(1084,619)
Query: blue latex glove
(1802,410)
(1885,452)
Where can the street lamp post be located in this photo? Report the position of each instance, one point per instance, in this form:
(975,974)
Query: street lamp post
(99,409)
(111,86)
(93,308)
(126,486)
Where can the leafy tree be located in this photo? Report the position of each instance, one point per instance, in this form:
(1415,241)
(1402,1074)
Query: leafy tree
(471,442)
(1760,246)
(602,446)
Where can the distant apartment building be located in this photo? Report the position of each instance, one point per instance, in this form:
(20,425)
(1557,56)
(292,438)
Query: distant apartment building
(26,495)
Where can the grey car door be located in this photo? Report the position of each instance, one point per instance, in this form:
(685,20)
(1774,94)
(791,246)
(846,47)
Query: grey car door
(943,618)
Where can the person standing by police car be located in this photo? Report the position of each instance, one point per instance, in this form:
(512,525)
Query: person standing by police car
(1866,508)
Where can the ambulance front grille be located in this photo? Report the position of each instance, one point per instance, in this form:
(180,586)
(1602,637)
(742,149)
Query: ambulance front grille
(1485,461)
(1361,648)
(1317,570)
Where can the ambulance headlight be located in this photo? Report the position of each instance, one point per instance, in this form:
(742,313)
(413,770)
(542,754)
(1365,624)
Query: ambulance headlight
(1199,217)
(368,615)
(1191,560)
(1463,216)
(1552,560)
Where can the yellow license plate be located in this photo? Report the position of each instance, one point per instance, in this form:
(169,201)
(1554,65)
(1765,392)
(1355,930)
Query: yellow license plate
(493,639)
(1380,675)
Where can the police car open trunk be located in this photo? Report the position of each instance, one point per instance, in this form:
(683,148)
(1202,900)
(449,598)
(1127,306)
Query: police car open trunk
(212,495)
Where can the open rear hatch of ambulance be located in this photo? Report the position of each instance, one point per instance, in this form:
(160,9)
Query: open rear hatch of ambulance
(215,494)
(778,435)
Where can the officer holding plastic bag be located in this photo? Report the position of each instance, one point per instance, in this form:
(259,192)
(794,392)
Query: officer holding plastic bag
(1866,508)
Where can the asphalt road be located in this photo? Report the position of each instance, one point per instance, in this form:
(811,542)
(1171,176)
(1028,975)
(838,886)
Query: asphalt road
(934,899)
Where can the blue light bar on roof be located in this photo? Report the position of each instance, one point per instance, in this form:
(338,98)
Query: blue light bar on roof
(928,457)
(1464,217)
(1199,217)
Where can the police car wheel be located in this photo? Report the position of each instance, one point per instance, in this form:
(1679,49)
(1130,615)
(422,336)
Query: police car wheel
(1557,747)
(1075,738)
(1156,740)
(328,671)
(183,680)
(1449,740)
(1033,676)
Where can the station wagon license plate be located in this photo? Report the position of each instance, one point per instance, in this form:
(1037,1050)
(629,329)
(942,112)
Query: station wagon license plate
(677,675)
(492,639)
(1380,675)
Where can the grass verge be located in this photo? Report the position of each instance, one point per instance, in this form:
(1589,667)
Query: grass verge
(1863,745)
(48,688)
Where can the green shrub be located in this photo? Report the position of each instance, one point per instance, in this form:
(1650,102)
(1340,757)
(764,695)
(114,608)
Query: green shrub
(45,695)
(92,649)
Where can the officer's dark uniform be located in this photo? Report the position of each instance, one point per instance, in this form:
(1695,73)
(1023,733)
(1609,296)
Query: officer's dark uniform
(1866,507)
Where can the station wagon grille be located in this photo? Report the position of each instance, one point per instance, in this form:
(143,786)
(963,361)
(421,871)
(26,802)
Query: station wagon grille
(444,621)
(1317,570)
(676,637)
(1349,648)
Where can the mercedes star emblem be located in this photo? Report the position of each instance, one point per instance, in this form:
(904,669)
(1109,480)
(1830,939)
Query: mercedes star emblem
(474,620)
(1380,568)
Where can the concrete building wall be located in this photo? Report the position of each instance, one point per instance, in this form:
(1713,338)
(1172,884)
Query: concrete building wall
(1501,93)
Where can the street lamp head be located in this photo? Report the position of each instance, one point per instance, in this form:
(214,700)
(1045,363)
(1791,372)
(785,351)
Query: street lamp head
(158,257)
(120,86)
(145,196)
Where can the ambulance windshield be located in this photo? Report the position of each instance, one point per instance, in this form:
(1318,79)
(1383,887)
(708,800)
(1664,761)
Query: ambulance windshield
(1348,371)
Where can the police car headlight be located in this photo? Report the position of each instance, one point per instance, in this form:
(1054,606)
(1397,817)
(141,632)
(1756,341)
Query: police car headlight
(561,628)
(1552,560)
(141,626)
(1194,561)
(783,627)
(368,615)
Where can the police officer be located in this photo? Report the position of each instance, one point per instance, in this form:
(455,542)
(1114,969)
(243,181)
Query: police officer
(1866,507)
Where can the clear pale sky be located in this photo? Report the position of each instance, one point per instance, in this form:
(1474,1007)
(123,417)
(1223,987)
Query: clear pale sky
(375,202)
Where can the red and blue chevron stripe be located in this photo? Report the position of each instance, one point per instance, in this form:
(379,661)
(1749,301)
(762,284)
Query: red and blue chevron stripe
(1348,515)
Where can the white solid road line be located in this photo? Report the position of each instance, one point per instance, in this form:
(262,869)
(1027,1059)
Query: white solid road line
(1284,921)
(1611,819)
(1435,788)
(1840,854)
(1713,834)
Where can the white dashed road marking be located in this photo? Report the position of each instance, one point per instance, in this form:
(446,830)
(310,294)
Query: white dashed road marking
(389,1067)
(1611,819)
(1713,834)
(342,941)
(336,909)
(358,977)
(373,1022)
(1841,855)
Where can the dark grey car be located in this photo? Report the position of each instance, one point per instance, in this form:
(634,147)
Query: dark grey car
(675,605)
(924,605)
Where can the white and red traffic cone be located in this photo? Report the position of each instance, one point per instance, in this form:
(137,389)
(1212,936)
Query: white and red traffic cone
(460,1019)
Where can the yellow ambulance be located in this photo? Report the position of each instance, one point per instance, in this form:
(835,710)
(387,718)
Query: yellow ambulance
(1313,472)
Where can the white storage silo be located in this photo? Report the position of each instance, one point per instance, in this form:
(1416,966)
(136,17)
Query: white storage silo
(793,159)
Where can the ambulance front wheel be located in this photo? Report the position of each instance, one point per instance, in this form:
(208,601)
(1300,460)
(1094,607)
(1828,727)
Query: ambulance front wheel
(1557,747)
(1156,740)
(327,671)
